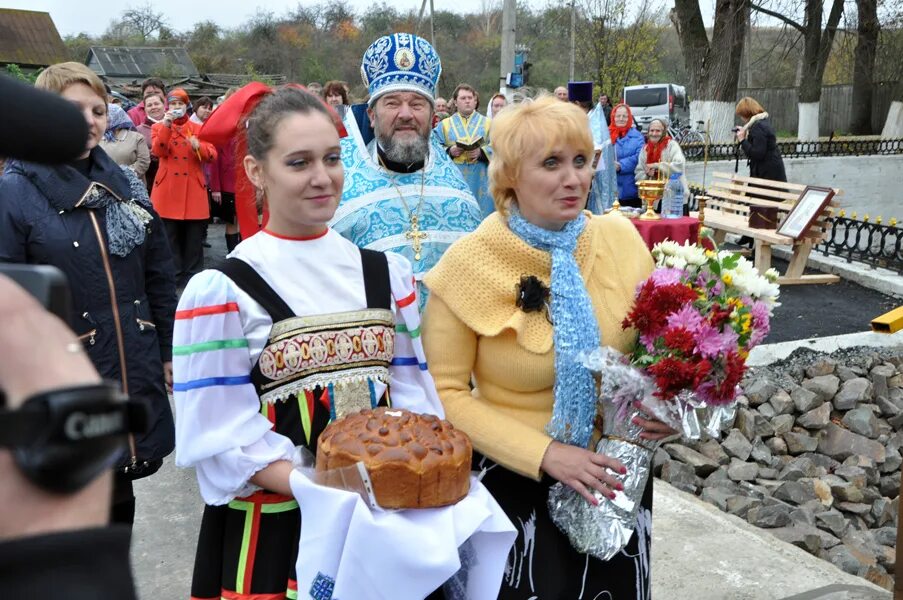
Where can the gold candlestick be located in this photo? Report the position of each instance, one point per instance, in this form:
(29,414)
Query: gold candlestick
(650,191)
(701,199)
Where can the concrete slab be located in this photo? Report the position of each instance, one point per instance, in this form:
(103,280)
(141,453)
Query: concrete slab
(769,353)
(702,553)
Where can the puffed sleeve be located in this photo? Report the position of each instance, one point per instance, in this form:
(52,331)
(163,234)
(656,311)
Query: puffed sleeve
(411,384)
(219,428)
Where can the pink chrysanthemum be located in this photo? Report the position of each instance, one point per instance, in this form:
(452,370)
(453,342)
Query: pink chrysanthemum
(712,343)
(667,275)
(687,317)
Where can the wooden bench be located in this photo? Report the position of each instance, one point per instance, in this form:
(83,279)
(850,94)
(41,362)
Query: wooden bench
(727,211)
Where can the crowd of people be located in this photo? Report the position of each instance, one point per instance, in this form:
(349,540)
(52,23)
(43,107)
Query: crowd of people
(350,219)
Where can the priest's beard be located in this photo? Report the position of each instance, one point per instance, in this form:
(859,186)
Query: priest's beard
(406,152)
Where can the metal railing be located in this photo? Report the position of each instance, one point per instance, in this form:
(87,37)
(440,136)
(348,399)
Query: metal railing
(695,152)
(874,243)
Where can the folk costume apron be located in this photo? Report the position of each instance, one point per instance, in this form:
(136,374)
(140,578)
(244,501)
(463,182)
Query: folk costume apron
(312,370)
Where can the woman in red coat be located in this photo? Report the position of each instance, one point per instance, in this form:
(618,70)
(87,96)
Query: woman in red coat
(180,191)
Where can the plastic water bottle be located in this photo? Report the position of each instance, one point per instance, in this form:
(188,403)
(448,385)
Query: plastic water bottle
(673,202)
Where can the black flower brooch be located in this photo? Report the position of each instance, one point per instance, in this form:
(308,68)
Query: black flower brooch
(531,295)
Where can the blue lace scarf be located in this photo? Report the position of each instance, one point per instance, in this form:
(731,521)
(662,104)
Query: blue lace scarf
(575,329)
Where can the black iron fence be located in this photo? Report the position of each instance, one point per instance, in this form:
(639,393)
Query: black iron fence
(871,242)
(796,149)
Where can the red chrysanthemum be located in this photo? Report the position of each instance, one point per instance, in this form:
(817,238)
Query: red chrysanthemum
(703,372)
(672,375)
(718,316)
(679,339)
(654,303)
(724,391)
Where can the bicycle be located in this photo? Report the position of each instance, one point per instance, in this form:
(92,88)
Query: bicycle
(691,140)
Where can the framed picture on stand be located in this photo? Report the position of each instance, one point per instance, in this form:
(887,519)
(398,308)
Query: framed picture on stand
(811,203)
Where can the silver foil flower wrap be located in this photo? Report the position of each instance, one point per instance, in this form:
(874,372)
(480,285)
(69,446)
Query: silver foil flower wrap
(603,530)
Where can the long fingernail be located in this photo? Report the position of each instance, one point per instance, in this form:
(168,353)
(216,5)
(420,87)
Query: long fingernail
(623,471)
(620,487)
(611,496)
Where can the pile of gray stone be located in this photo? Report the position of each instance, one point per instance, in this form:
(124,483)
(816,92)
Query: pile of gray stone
(813,454)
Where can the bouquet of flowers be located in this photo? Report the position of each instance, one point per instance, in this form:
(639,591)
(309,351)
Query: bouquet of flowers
(698,315)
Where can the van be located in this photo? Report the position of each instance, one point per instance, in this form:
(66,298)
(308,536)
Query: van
(666,101)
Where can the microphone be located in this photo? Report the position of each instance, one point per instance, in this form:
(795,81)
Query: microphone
(38,126)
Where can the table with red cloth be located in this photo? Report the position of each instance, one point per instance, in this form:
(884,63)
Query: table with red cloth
(680,230)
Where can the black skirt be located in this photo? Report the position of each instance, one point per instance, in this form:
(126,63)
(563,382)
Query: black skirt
(248,547)
(543,565)
(224,210)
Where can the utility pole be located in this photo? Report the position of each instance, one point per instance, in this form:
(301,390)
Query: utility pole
(509,33)
(573,39)
(432,25)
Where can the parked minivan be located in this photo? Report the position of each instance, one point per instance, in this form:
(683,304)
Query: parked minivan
(657,100)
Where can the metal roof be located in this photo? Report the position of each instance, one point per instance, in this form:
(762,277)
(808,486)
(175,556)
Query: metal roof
(119,61)
(29,39)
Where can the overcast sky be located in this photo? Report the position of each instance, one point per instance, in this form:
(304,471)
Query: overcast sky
(93,16)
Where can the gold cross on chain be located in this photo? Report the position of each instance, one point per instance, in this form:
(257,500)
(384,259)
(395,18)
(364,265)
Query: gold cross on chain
(416,236)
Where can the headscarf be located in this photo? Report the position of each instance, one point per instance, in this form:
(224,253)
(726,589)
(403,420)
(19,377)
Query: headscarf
(227,124)
(491,113)
(178,94)
(575,328)
(116,119)
(182,96)
(619,132)
(653,150)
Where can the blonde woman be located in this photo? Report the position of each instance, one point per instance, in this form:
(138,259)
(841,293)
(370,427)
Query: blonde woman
(92,219)
(532,412)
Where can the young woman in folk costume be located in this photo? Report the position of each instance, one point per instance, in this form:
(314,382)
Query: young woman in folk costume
(298,328)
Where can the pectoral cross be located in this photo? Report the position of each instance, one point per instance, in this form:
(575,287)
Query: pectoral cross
(416,236)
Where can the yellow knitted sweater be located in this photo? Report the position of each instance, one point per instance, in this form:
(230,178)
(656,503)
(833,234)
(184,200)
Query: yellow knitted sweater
(472,328)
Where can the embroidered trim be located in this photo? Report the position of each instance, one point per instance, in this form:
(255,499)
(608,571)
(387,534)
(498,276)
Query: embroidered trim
(355,318)
(337,379)
(302,352)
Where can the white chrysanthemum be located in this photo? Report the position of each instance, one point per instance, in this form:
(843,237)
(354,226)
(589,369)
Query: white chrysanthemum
(675,261)
(693,254)
(667,248)
(772,275)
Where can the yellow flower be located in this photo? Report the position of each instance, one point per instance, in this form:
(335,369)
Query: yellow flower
(727,279)
(744,354)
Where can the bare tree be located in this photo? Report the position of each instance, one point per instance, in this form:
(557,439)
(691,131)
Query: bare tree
(615,42)
(713,66)
(817,45)
(867,29)
(490,12)
(890,50)
(144,22)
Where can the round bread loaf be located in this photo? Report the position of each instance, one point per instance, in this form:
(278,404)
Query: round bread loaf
(413,460)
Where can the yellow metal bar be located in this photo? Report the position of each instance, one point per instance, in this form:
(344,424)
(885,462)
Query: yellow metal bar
(889,322)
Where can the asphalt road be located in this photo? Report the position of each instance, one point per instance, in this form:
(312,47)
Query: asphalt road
(169,506)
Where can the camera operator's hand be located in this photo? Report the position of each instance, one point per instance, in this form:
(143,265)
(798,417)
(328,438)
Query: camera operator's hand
(40,353)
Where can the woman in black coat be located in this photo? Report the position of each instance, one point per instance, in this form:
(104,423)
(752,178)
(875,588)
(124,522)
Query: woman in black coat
(92,219)
(759,142)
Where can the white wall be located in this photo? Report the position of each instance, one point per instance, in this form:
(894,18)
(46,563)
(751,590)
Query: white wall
(870,184)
